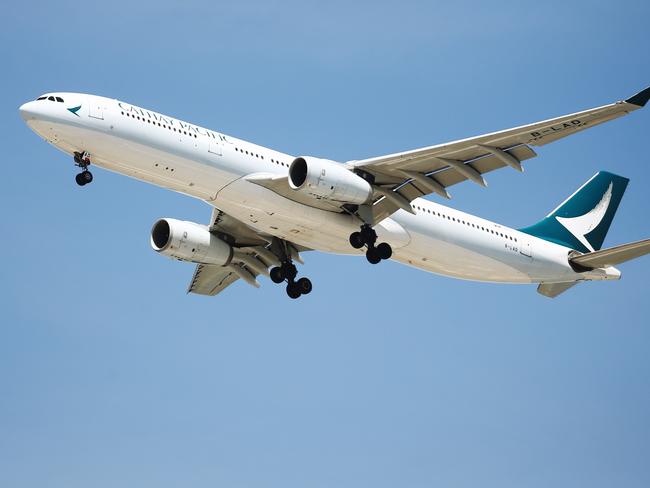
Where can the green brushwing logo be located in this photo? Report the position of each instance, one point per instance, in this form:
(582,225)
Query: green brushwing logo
(74,110)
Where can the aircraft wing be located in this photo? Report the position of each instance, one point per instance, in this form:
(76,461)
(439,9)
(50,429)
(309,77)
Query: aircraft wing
(253,254)
(211,280)
(433,169)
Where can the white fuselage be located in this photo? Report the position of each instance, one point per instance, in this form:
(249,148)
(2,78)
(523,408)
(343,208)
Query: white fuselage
(211,166)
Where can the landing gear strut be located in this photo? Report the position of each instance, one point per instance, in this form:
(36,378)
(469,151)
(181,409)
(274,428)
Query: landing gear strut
(287,272)
(368,237)
(83,161)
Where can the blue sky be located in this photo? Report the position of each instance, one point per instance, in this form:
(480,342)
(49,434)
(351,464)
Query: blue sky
(110,375)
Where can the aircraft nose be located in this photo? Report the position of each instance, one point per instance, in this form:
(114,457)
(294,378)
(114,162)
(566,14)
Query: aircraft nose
(27,111)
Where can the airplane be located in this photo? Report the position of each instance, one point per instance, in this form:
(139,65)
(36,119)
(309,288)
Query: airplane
(268,207)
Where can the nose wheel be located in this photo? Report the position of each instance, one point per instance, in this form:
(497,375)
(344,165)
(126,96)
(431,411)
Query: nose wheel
(82,160)
(84,178)
(287,272)
(368,237)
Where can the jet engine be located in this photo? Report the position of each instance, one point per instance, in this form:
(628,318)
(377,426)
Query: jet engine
(189,241)
(327,180)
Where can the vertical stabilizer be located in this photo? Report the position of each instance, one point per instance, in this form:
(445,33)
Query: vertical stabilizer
(581,222)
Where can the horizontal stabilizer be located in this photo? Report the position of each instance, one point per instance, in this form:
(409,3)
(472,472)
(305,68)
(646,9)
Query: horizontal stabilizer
(613,255)
(552,290)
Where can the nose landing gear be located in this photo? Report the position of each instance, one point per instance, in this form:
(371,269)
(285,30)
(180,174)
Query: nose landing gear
(368,237)
(83,161)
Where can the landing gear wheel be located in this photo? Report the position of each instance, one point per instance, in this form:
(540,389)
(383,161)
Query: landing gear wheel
(356,240)
(292,291)
(286,271)
(384,250)
(368,235)
(83,161)
(372,255)
(290,271)
(304,286)
(84,178)
(278,275)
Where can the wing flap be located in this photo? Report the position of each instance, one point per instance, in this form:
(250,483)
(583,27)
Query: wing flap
(211,280)
(429,163)
(485,163)
(447,176)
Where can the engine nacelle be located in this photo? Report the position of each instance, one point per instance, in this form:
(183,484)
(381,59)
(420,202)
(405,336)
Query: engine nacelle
(188,241)
(327,180)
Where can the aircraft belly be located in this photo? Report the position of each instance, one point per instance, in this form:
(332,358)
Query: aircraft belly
(460,251)
(450,259)
(270,213)
(445,248)
(439,251)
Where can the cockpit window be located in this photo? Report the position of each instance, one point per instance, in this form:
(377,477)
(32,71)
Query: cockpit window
(51,97)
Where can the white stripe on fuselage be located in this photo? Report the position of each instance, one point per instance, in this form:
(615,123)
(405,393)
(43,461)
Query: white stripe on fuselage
(437,238)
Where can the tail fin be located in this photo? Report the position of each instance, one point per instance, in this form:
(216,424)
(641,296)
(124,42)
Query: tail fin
(582,220)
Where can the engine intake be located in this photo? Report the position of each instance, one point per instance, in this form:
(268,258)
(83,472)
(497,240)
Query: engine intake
(189,241)
(328,180)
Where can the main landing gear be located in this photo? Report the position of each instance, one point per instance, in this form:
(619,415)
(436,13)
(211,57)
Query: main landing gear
(368,237)
(287,271)
(83,161)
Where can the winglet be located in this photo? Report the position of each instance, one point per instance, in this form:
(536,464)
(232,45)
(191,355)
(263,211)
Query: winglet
(641,98)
